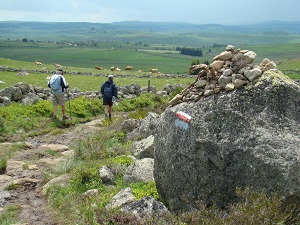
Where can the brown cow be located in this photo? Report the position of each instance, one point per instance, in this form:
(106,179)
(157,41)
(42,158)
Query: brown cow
(99,68)
(57,65)
(154,70)
(112,68)
(129,68)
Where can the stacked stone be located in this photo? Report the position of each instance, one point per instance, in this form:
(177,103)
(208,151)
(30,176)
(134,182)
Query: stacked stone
(230,70)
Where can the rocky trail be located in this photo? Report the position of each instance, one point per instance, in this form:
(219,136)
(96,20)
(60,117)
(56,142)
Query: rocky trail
(24,173)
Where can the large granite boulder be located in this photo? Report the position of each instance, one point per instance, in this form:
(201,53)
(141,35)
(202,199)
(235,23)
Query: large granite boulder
(246,138)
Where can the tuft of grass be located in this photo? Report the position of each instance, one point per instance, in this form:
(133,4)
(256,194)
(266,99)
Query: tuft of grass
(141,190)
(56,131)
(52,152)
(10,214)
(12,186)
(3,162)
(139,114)
(25,166)
(7,152)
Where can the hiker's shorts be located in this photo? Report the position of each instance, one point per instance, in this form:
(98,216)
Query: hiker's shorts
(107,103)
(58,99)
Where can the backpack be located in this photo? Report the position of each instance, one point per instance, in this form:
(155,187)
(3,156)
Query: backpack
(55,82)
(108,91)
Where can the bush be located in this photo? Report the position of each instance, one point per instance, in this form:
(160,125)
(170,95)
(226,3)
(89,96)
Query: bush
(141,190)
(85,177)
(142,101)
(256,208)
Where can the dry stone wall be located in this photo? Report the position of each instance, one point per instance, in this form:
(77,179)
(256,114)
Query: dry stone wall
(28,94)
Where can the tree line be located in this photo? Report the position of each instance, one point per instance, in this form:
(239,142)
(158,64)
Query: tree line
(189,51)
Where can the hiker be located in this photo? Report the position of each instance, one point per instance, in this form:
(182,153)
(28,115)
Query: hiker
(109,90)
(57,83)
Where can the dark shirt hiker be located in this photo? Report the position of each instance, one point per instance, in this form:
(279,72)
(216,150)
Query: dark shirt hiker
(109,90)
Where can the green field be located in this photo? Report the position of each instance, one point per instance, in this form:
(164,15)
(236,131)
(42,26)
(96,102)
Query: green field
(83,82)
(101,56)
(124,54)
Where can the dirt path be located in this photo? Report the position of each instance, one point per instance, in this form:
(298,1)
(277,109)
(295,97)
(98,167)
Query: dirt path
(35,159)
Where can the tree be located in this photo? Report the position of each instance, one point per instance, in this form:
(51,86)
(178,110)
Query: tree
(190,51)
(24,40)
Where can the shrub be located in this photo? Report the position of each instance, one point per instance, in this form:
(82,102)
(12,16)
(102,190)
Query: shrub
(142,101)
(256,208)
(141,190)
(42,108)
(85,177)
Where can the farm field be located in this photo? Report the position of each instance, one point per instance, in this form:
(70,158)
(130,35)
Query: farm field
(83,82)
(105,57)
(164,58)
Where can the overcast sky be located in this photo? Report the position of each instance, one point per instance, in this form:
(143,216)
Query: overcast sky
(226,12)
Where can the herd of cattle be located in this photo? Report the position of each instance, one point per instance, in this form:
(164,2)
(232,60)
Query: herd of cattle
(127,68)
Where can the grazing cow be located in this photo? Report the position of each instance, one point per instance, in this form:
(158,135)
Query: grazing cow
(154,70)
(129,68)
(99,68)
(57,65)
(112,68)
(118,69)
(139,71)
(37,63)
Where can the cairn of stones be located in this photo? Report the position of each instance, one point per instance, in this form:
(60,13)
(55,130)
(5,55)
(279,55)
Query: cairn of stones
(230,70)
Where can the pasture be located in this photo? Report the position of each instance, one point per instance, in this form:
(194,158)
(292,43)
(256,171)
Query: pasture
(106,55)
(83,82)
(89,57)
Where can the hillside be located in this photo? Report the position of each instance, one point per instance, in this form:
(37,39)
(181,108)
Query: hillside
(154,32)
(55,175)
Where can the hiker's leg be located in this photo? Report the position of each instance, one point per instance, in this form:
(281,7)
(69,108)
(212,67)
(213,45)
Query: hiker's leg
(110,111)
(54,109)
(55,104)
(63,110)
(61,101)
(106,110)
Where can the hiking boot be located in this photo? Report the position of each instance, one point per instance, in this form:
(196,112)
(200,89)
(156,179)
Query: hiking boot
(65,117)
(54,116)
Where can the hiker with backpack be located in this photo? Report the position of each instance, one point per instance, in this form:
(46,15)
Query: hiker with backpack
(109,91)
(57,84)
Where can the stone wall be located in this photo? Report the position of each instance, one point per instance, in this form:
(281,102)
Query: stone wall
(28,94)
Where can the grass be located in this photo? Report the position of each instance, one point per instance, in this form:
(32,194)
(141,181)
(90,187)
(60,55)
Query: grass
(20,121)
(106,148)
(10,214)
(104,57)
(109,147)
(83,82)
(7,151)
(121,55)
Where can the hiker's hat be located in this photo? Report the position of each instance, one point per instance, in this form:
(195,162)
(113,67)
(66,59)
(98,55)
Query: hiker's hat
(110,76)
